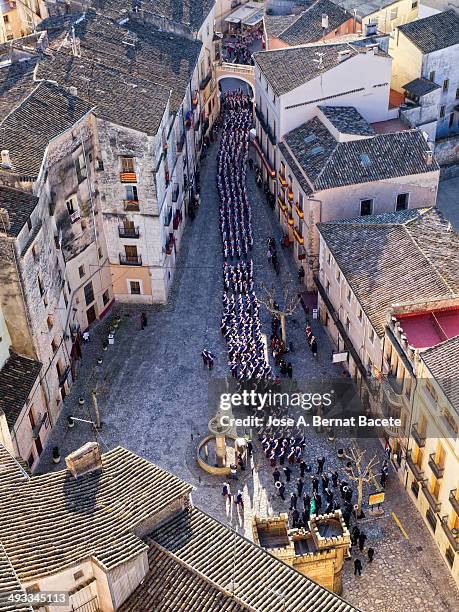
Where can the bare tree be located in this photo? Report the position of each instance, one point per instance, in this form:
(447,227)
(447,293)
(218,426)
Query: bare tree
(290,300)
(360,471)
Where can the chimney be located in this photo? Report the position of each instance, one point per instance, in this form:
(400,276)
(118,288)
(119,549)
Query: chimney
(84,460)
(324,21)
(370,29)
(73,90)
(344,55)
(6,160)
(5,224)
(428,157)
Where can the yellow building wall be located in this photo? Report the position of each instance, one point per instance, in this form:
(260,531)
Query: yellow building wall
(121,275)
(407,61)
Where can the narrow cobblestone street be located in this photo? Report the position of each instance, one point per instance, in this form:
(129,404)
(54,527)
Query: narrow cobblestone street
(155,404)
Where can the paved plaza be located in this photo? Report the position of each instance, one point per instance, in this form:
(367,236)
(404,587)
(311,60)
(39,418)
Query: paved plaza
(154,402)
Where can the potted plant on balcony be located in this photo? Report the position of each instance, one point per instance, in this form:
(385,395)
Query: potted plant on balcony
(56,454)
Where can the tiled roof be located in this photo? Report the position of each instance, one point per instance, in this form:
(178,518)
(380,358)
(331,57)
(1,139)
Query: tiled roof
(170,586)
(307,26)
(365,8)
(17,378)
(19,205)
(391,258)
(164,59)
(16,83)
(121,98)
(49,522)
(420,87)
(44,114)
(188,12)
(287,69)
(234,564)
(329,163)
(347,120)
(10,586)
(433,33)
(276,24)
(442,361)
(296,169)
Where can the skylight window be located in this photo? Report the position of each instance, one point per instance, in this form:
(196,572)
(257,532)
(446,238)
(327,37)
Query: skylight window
(316,150)
(310,138)
(365,160)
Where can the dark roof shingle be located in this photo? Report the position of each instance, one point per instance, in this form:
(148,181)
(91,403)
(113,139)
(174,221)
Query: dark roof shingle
(45,113)
(390,258)
(433,33)
(442,361)
(329,163)
(307,26)
(211,549)
(52,521)
(347,120)
(165,60)
(420,87)
(19,205)
(17,378)
(287,69)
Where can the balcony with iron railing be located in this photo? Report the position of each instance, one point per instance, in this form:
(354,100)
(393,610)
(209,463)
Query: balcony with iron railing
(434,504)
(180,143)
(451,534)
(438,470)
(205,81)
(415,469)
(298,237)
(393,389)
(131,205)
(128,232)
(419,438)
(168,218)
(282,180)
(265,126)
(454,501)
(130,260)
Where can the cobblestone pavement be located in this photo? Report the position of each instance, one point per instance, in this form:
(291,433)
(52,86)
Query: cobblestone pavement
(155,403)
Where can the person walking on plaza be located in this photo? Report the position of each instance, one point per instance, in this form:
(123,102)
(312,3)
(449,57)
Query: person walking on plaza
(371,554)
(325,481)
(295,518)
(320,465)
(307,501)
(293,501)
(226,490)
(289,370)
(233,471)
(362,538)
(239,501)
(288,473)
(315,484)
(302,466)
(357,567)
(335,478)
(276,475)
(318,500)
(143,320)
(281,491)
(299,486)
(314,346)
(355,535)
